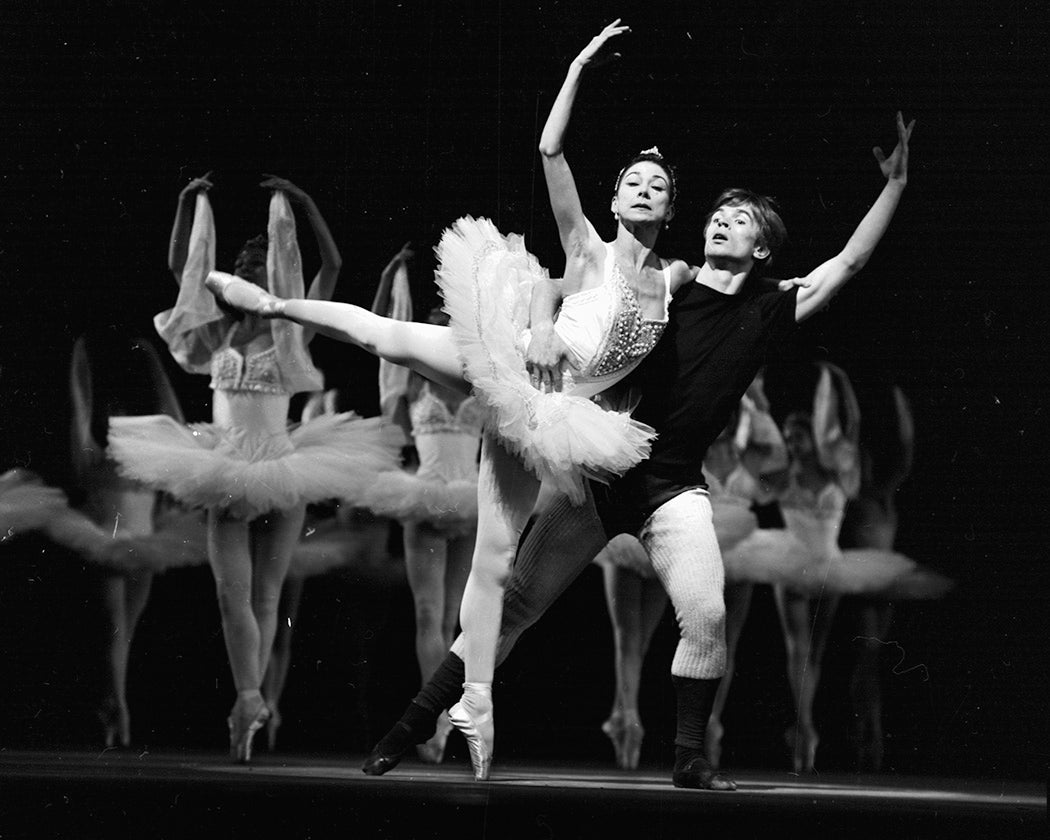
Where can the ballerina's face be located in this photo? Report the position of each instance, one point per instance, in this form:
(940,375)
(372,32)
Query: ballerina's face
(797,436)
(644,194)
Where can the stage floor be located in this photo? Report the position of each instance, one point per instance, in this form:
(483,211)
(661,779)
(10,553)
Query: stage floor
(146,795)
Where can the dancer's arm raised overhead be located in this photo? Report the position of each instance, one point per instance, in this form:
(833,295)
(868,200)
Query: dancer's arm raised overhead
(826,279)
(547,354)
(180,231)
(324,281)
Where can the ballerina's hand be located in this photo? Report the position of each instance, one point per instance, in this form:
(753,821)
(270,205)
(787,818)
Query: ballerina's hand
(593,54)
(546,359)
(202,184)
(274,182)
(895,167)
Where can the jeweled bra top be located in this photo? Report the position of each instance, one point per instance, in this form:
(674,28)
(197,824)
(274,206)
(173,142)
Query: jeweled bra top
(431,415)
(257,372)
(611,314)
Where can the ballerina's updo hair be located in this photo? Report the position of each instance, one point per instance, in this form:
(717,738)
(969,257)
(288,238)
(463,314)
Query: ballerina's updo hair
(255,244)
(652,156)
(771,230)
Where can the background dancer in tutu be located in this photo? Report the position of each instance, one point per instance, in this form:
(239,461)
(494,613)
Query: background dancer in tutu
(803,561)
(335,536)
(435,498)
(252,474)
(887,443)
(113,373)
(721,329)
(613,309)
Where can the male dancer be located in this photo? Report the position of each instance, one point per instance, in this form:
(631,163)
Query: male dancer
(722,328)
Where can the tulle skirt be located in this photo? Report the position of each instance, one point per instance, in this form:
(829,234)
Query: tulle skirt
(247,473)
(777,556)
(486,280)
(447,506)
(27,505)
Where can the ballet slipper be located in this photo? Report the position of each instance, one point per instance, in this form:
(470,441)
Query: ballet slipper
(116,724)
(242,295)
(472,716)
(248,716)
(713,742)
(272,726)
(802,741)
(697,774)
(626,732)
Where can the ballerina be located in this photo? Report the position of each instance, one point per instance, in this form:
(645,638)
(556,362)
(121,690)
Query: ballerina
(250,472)
(119,375)
(613,309)
(803,561)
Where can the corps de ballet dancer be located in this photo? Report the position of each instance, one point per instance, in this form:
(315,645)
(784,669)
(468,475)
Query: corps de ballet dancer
(434,499)
(336,537)
(113,374)
(803,561)
(887,444)
(251,473)
(612,306)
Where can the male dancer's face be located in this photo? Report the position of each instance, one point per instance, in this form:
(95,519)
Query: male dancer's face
(732,239)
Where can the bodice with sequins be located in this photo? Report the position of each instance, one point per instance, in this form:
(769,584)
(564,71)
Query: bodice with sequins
(259,372)
(606,331)
(446,440)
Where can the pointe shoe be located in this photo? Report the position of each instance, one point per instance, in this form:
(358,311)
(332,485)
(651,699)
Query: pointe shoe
(246,718)
(802,742)
(478,729)
(432,751)
(626,732)
(242,295)
(116,725)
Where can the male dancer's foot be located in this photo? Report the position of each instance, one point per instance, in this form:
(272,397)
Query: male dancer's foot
(243,295)
(692,770)
(419,720)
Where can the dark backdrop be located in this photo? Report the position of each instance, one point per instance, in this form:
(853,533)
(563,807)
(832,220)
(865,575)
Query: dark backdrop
(399,117)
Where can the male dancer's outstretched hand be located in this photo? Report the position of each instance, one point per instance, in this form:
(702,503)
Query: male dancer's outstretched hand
(895,167)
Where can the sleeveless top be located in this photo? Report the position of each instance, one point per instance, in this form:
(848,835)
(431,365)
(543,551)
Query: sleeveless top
(431,415)
(605,330)
(446,441)
(259,372)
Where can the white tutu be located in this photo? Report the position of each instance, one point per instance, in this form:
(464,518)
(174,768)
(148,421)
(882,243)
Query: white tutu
(28,505)
(486,280)
(448,506)
(249,473)
(773,555)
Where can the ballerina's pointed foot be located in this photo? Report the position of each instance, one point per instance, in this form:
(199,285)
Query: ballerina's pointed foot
(432,751)
(713,743)
(802,741)
(242,295)
(116,725)
(472,716)
(247,717)
(626,732)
